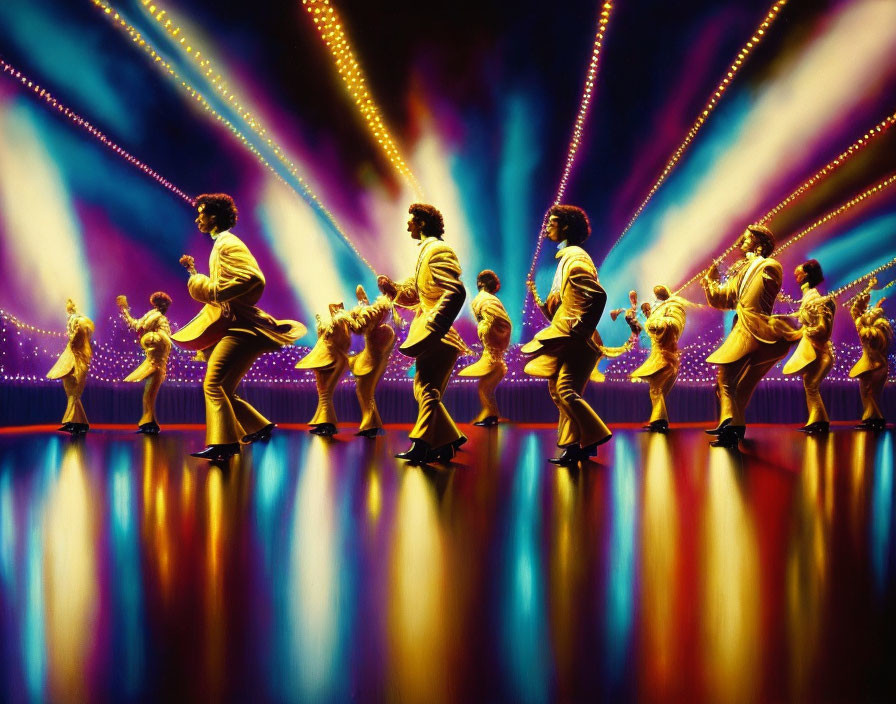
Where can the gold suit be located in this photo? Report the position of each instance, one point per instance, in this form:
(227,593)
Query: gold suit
(234,284)
(368,366)
(72,366)
(814,355)
(664,325)
(436,294)
(155,339)
(494,330)
(756,342)
(329,360)
(566,351)
(875,334)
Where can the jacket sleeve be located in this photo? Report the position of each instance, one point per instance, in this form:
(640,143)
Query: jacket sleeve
(445,271)
(590,299)
(238,276)
(721,295)
(406,296)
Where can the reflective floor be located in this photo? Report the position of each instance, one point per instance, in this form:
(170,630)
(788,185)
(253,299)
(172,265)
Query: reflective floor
(314,570)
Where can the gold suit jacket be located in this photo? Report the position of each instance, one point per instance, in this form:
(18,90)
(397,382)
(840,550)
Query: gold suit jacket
(333,342)
(751,292)
(573,307)
(155,339)
(664,326)
(75,358)
(494,328)
(875,334)
(234,284)
(371,321)
(436,294)
(816,316)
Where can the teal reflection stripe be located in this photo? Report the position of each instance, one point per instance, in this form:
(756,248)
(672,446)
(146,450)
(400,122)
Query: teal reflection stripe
(33,637)
(621,568)
(270,480)
(7,534)
(524,623)
(127,579)
(882,514)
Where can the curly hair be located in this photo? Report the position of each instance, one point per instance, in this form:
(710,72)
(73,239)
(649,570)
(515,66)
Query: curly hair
(814,275)
(488,280)
(221,206)
(574,221)
(762,236)
(160,300)
(433,223)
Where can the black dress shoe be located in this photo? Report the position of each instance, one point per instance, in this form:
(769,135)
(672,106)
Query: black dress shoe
(816,428)
(872,424)
(78,429)
(258,435)
(416,453)
(719,428)
(324,429)
(727,438)
(572,454)
(487,422)
(218,453)
(369,433)
(442,454)
(659,426)
(65,428)
(150,428)
(460,441)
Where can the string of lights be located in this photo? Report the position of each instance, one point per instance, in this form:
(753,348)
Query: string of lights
(704,114)
(578,129)
(330,28)
(253,123)
(861,143)
(878,187)
(74,118)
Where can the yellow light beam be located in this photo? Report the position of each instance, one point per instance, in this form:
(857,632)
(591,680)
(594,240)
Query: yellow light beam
(704,114)
(329,27)
(165,66)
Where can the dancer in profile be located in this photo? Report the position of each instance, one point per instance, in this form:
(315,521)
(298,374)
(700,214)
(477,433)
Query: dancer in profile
(368,366)
(665,323)
(329,361)
(72,367)
(814,355)
(230,332)
(436,295)
(154,334)
(876,335)
(494,328)
(565,352)
(757,341)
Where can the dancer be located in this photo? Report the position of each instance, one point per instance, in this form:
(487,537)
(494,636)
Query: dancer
(154,334)
(329,360)
(876,335)
(814,355)
(665,323)
(494,330)
(757,341)
(72,367)
(370,320)
(436,294)
(230,332)
(565,353)
(631,313)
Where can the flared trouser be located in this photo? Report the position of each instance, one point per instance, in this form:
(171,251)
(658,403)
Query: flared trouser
(327,379)
(228,417)
(434,424)
(74,384)
(738,380)
(151,386)
(578,423)
(871,385)
(660,384)
(486,387)
(813,374)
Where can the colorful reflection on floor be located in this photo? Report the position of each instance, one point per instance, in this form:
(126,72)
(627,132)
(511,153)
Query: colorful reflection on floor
(325,571)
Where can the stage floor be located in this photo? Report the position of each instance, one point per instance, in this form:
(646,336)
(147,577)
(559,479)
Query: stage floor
(314,570)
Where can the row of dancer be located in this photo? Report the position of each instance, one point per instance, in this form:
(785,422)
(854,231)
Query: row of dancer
(231,332)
